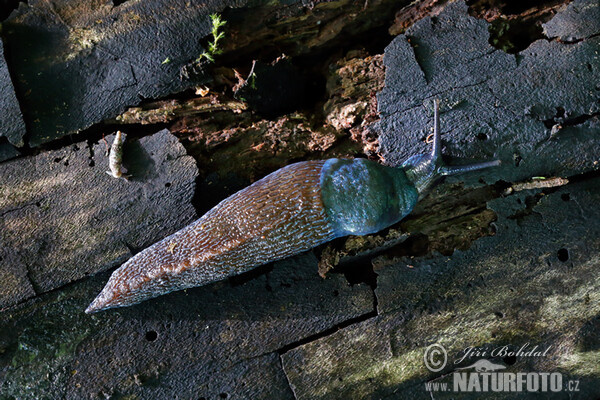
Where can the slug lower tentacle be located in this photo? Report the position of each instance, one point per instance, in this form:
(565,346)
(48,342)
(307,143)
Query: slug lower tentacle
(289,211)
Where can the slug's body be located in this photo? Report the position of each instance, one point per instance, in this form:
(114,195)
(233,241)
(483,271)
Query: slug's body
(289,211)
(115,158)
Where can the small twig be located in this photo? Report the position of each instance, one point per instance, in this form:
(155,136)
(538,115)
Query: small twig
(537,183)
(241,81)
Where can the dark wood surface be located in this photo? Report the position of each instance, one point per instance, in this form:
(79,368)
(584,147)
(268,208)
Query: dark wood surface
(503,257)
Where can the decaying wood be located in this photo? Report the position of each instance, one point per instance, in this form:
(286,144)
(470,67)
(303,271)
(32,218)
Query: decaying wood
(169,110)
(498,258)
(341,126)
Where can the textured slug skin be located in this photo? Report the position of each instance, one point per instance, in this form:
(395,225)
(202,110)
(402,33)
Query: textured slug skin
(289,211)
(276,217)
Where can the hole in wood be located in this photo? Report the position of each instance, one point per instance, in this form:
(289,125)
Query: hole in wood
(151,336)
(563,255)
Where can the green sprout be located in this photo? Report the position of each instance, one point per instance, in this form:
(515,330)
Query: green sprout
(213,48)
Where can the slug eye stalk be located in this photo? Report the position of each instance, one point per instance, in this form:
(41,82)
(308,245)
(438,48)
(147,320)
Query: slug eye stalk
(446,170)
(425,169)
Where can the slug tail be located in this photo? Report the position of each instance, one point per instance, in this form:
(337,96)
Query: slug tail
(98,304)
(108,298)
(276,217)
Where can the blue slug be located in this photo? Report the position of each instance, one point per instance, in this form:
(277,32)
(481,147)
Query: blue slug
(287,212)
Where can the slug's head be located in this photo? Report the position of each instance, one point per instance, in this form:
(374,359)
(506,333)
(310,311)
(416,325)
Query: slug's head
(423,170)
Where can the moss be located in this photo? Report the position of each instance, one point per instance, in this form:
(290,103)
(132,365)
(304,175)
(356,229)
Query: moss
(40,340)
(213,46)
(46,343)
